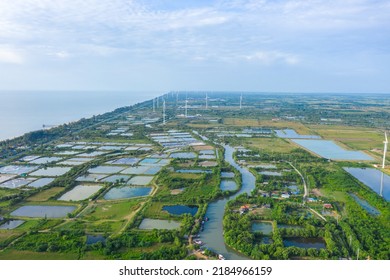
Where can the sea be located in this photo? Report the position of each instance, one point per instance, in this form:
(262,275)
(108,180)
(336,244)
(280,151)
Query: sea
(25,111)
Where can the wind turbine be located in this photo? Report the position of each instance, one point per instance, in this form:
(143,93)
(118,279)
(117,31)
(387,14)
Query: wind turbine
(207,104)
(383,163)
(241,101)
(384,151)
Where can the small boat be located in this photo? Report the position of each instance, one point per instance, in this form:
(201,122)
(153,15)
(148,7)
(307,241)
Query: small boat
(221,257)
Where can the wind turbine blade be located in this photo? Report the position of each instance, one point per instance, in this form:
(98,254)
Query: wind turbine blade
(386,137)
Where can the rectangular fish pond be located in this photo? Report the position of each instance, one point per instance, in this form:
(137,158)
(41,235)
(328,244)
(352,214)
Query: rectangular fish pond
(158,224)
(372,178)
(80,192)
(51,171)
(183,155)
(11,224)
(180,209)
(127,192)
(302,242)
(265,228)
(42,211)
(228,185)
(330,150)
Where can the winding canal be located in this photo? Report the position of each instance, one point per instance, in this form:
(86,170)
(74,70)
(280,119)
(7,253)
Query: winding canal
(212,235)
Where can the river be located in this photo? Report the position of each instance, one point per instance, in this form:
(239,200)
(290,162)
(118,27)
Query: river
(212,235)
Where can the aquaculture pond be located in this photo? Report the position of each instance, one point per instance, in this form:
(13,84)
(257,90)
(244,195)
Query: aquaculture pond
(158,224)
(180,209)
(16,183)
(188,155)
(373,178)
(51,171)
(93,239)
(302,242)
(127,192)
(126,161)
(227,174)
(17,169)
(136,170)
(366,206)
(141,180)
(106,169)
(263,227)
(228,185)
(330,150)
(41,182)
(44,160)
(11,224)
(116,178)
(43,211)
(80,192)
(148,161)
(91,177)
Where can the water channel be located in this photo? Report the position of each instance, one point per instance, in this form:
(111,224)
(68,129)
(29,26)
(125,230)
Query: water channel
(212,235)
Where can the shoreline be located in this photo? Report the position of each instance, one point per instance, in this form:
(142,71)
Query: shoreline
(134,101)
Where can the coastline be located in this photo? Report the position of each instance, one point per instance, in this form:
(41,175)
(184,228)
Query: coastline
(24,112)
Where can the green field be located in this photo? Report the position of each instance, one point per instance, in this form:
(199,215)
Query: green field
(45,194)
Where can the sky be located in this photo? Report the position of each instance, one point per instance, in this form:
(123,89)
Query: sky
(162,45)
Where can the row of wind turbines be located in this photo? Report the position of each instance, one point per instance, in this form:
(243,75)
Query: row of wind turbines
(155,102)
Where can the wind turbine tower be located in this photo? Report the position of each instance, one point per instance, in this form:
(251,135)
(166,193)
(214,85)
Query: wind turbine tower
(207,101)
(164,112)
(241,101)
(384,151)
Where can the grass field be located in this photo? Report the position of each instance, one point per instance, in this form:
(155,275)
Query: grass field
(45,195)
(297,126)
(111,211)
(154,210)
(359,138)
(186,175)
(269,144)
(6,234)
(6,192)
(28,255)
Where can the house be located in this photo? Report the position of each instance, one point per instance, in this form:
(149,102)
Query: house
(244,209)
(285,195)
(327,206)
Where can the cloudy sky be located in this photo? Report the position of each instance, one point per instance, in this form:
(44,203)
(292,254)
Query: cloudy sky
(249,45)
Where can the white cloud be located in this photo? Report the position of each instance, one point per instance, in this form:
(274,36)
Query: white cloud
(8,55)
(271,57)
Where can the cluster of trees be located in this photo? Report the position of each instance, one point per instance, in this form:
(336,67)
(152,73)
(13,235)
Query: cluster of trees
(58,241)
(238,231)
(118,247)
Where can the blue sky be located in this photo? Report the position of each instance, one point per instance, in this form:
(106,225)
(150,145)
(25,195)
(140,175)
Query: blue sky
(238,45)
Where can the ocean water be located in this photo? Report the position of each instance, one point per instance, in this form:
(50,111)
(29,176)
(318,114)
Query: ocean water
(24,111)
